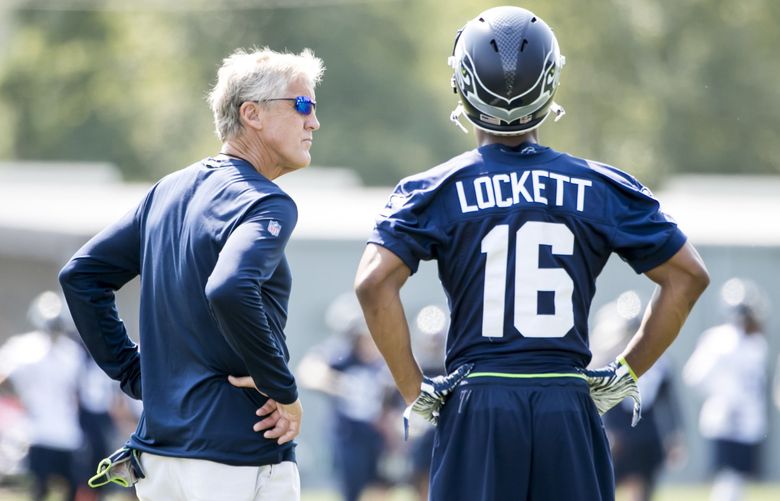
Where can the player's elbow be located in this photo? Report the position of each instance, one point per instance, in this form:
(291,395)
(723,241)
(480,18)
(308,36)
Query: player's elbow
(700,280)
(373,285)
(684,275)
(690,282)
(368,288)
(694,278)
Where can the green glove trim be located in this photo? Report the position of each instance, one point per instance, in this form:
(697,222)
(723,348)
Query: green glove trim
(623,362)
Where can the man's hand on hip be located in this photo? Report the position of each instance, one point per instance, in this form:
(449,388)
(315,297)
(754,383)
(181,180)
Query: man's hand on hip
(433,395)
(280,421)
(611,384)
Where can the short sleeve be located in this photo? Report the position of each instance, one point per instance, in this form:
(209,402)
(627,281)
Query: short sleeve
(644,236)
(408,226)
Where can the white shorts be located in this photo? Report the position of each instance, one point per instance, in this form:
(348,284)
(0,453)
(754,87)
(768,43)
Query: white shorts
(184,479)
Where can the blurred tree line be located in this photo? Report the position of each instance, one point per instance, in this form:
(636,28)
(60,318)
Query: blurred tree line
(651,86)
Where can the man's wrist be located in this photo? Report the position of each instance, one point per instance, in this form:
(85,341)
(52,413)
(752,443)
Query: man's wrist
(411,395)
(622,361)
(410,388)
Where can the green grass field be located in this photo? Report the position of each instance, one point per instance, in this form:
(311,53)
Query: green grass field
(666,493)
(758,492)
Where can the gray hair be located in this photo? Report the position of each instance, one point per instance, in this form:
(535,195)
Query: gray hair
(255,76)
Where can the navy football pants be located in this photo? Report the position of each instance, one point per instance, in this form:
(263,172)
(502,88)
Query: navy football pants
(502,439)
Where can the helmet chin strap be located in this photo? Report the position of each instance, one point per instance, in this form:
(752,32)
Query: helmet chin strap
(455,117)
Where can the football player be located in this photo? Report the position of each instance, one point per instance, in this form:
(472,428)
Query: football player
(729,368)
(520,232)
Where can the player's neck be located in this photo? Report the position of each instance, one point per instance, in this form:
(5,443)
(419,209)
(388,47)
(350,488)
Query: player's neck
(485,138)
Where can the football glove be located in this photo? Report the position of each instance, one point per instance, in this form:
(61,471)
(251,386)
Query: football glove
(611,384)
(433,395)
(122,468)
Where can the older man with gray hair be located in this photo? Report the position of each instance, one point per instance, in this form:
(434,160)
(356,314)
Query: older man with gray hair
(208,243)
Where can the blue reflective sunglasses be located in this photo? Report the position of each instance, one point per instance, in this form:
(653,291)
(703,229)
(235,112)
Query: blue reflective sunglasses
(303,104)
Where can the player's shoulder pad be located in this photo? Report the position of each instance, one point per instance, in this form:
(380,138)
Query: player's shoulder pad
(422,187)
(434,177)
(618,178)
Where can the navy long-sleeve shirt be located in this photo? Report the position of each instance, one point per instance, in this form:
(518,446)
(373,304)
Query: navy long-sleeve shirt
(208,242)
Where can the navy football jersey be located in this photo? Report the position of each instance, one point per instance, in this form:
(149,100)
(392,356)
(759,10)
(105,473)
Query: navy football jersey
(520,235)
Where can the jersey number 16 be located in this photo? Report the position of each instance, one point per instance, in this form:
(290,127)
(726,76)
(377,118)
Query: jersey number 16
(529,280)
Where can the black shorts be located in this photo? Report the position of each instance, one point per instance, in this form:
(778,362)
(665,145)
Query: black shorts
(357,449)
(636,451)
(738,456)
(45,462)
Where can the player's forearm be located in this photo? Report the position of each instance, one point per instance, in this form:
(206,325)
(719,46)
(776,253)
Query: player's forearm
(663,321)
(388,327)
(680,285)
(385,317)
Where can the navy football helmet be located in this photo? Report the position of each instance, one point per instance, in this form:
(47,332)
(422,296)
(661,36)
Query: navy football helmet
(507,67)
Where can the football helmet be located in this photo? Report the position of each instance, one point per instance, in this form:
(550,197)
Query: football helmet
(49,312)
(743,298)
(507,67)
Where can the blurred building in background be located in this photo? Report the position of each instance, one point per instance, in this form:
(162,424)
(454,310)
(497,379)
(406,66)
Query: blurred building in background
(46,214)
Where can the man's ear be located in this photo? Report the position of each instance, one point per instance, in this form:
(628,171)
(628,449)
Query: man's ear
(251,115)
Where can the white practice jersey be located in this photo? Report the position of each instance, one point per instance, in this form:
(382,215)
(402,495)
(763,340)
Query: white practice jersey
(44,373)
(730,368)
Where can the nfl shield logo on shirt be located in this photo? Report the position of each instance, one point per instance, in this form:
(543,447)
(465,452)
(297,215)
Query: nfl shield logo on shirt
(274,228)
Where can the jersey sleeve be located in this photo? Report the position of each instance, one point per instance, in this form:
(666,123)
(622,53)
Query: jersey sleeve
(234,290)
(643,235)
(89,281)
(408,228)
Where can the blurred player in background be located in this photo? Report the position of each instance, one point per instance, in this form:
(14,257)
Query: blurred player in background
(431,324)
(349,369)
(520,232)
(730,368)
(43,367)
(639,452)
(99,399)
(776,385)
(208,242)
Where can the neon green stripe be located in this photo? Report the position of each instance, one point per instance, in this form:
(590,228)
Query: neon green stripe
(622,360)
(526,376)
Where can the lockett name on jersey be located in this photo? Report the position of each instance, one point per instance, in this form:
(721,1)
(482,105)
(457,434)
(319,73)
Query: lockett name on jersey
(530,186)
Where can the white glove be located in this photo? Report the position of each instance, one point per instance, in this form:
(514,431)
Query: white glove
(433,395)
(611,384)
